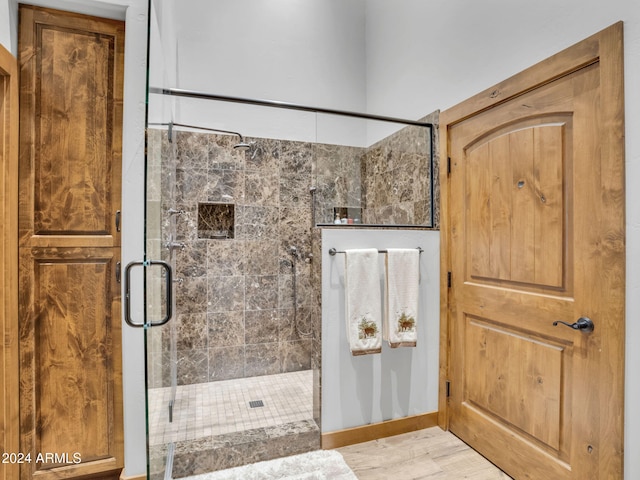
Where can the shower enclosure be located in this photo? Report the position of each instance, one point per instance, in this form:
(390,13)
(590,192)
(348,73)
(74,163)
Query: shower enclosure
(233,376)
(236,192)
(235,228)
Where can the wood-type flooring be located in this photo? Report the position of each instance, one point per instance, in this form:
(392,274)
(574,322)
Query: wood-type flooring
(430,454)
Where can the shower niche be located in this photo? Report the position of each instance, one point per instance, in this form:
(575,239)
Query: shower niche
(216,221)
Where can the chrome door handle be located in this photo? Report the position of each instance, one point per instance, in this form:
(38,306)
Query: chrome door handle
(584,324)
(168,293)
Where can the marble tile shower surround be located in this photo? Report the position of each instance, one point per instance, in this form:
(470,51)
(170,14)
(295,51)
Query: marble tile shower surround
(235,315)
(235,308)
(389,181)
(234,302)
(396,178)
(338,178)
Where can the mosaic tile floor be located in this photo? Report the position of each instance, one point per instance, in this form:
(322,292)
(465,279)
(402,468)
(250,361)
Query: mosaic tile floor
(217,408)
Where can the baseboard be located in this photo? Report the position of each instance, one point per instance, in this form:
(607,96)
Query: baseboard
(133,477)
(365,433)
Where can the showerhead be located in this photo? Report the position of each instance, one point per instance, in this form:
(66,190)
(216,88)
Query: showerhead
(242,144)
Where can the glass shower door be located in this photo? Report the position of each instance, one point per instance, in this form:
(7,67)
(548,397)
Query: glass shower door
(153,306)
(161,249)
(160,297)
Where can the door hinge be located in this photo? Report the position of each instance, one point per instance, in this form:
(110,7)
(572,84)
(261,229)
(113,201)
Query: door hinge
(448,388)
(118,271)
(118,214)
(449,279)
(448,165)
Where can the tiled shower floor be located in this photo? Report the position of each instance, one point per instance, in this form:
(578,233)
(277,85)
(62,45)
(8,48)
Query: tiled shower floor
(209,409)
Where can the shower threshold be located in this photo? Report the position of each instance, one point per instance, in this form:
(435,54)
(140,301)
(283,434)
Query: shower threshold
(215,427)
(235,449)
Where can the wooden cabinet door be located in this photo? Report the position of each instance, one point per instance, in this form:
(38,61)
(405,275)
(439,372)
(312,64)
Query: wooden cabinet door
(69,244)
(535,236)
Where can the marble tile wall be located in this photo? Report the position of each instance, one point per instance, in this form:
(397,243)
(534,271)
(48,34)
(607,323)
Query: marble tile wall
(338,178)
(235,315)
(234,300)
(389,181)
(396,187)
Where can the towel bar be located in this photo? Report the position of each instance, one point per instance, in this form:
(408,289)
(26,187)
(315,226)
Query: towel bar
(333,251)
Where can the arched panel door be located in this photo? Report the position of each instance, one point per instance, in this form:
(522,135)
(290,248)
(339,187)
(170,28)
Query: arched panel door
(534,241)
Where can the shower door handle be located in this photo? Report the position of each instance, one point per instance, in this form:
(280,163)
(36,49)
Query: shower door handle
(168,280)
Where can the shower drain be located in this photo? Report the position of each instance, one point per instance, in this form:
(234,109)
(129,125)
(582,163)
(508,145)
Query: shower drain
(256,403)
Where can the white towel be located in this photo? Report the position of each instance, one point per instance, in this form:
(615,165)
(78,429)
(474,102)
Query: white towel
(401,292)
(362,299)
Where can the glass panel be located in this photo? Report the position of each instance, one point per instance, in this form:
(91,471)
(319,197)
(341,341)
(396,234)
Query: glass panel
(234,193)
(160,341)
(371,172)
(160,244)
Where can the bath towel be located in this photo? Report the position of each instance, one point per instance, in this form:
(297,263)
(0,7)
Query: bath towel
(401,297)
(363,301)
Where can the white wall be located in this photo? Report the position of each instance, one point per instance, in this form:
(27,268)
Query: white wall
(237,47)
(398,382)
(309,53)
(8,25)
(427,55)
(132,233)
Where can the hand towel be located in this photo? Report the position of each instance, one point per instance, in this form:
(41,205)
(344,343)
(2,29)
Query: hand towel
(363,301)
(401,297)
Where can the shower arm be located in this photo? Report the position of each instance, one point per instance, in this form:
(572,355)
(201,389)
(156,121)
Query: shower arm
(196,127)
(217,130)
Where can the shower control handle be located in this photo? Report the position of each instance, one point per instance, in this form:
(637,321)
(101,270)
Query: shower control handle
(174,211)
(171,246)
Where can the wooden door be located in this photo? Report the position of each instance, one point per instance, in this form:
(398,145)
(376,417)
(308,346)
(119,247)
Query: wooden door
(69,244)
(533,233)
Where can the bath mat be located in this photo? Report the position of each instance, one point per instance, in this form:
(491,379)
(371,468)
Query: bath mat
(317,465)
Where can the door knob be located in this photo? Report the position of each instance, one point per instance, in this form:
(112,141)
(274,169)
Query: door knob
(584,324)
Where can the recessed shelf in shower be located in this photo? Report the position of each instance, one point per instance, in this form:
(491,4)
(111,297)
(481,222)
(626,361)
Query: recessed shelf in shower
(216,220)
(350,215)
